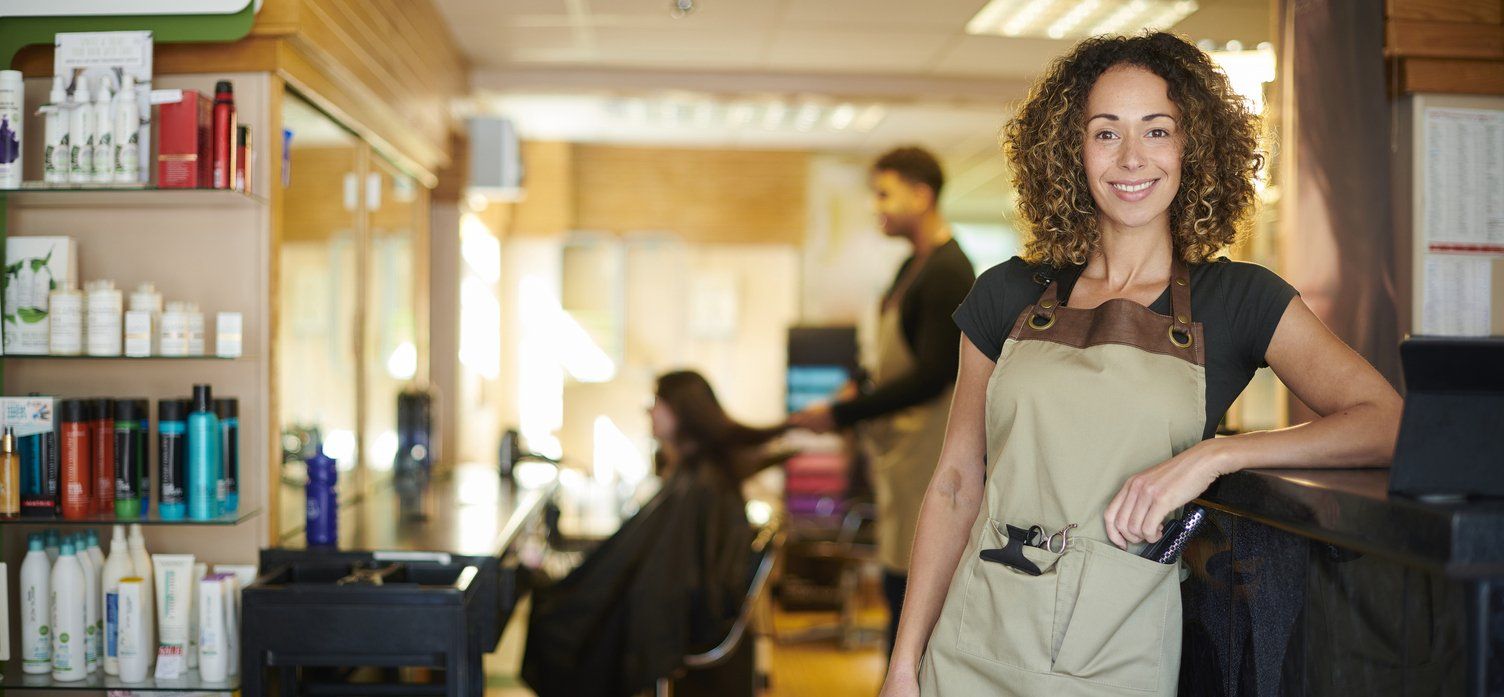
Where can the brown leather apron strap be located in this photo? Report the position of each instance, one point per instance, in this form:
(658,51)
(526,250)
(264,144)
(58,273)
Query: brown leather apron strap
(1180,303)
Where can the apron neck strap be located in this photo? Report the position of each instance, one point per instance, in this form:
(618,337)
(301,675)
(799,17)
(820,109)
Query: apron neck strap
(1180,295)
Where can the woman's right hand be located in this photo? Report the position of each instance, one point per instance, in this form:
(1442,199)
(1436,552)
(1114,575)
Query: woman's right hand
(898,685)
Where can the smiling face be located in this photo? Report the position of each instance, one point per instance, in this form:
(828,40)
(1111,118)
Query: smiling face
(1132,149)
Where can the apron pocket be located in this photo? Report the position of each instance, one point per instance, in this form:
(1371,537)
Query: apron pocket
(1115,631)
(1008,616)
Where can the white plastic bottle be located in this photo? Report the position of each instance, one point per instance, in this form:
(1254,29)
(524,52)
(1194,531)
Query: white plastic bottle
(81,136)
(96,557)
(12,109)
(36,608)
(68,659)
(133,647)
(104,134)
(66,322)
(141,561)
(127,126)
(91,602)
(104,320)
(214,663)
(195,611)
(116,566)
(55,156)
(51,547)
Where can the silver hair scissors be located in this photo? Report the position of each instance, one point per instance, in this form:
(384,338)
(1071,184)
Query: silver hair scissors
(1055,542)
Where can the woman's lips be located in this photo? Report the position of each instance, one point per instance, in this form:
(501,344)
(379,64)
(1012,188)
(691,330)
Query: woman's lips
(1133,191)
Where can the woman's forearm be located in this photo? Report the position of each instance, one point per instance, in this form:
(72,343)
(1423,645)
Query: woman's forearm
(1360,436)
(950,508)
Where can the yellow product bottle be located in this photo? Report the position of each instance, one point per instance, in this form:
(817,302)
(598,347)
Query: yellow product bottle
(10,477)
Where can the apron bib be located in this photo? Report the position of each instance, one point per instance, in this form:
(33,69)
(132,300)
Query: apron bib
(903,448)
(1080,400)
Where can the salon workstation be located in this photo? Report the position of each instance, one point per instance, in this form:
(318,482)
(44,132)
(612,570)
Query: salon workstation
(860,348)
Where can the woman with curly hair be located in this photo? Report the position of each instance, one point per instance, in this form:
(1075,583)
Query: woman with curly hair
(1093,374)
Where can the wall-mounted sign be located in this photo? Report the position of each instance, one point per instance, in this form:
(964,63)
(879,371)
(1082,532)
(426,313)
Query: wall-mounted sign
(70,8)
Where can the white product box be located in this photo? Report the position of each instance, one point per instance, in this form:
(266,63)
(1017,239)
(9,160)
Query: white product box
(227,335)
(34,267)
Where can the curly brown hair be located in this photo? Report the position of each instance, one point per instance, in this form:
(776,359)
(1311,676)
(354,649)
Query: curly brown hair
(1219,150)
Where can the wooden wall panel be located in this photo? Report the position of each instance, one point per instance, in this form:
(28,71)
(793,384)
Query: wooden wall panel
(1446,46)
(551,190)
(398,59)
(722,196)
(1485,11)
(1444,40)
(1452,76)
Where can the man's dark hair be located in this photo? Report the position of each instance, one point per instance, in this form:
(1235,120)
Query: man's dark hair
(915,166)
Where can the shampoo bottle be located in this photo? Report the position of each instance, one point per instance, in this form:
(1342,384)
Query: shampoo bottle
(141,562)
(36,608)
(12,110)
(91,602)
(127,127)
(133,644)
(55,155)
(172,458)
(203,456)
(116,566)
(104,139)
(81,135)
(69,662)
(53,546)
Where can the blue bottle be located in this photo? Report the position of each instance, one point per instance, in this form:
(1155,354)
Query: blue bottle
(203,456)
(172,459)
(323,501)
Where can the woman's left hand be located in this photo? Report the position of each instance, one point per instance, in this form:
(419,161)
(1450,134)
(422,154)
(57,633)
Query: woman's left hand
(1137,512)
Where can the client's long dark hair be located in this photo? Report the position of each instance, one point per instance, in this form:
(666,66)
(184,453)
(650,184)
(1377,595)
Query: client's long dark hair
(705,433)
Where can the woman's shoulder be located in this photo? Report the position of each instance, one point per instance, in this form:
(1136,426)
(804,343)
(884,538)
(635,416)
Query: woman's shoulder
(1223,276)
(1016,272)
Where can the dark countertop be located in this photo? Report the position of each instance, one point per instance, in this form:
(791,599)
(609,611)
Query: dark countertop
(471,512)
(1352,508)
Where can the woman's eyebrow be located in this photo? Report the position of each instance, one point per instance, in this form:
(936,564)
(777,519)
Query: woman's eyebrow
(1114,117)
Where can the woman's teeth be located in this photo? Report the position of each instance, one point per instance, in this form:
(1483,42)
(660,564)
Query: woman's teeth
(1134,187)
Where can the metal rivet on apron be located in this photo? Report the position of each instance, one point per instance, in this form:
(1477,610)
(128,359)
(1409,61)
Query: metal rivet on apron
(1047,304)
(1180,281)
(1182,319)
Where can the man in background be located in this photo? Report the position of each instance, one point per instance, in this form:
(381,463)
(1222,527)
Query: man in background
(902,417)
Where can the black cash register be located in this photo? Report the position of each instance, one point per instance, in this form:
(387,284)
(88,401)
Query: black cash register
(1451,441)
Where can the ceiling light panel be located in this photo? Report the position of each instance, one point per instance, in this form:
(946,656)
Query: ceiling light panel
(1072,19)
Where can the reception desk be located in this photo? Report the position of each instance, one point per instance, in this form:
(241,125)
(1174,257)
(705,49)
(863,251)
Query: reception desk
(1318,582)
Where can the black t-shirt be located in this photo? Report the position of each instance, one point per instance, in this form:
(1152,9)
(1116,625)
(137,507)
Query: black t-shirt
(1239,305)
(924,311)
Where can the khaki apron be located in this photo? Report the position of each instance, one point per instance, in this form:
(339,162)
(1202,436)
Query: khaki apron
(902,447)
(1079,401)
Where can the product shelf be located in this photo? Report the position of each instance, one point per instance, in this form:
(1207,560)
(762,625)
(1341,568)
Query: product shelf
(15,679)
(126,196)
(228,520)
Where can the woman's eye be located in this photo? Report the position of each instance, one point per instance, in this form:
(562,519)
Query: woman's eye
(1159,133)
(1105,135)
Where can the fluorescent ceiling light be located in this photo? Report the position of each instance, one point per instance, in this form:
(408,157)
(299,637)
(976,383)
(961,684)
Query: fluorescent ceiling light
(1063,19)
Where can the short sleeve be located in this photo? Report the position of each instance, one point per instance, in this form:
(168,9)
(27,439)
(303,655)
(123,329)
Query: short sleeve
(983,316)
(1257,299)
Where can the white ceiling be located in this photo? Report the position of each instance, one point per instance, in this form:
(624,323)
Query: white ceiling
(628,72)
(896,37)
